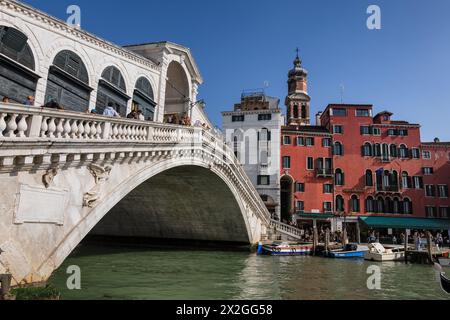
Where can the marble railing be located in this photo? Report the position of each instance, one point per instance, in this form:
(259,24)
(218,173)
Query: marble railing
(284,228)
(31,124)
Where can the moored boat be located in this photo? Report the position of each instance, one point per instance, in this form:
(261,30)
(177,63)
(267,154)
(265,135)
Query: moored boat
(445,262)
(379,253)
(287,249)
(445,283)
(349,251)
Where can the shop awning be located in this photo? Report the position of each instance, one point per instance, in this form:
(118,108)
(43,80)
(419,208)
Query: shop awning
(406,223)
(317,216)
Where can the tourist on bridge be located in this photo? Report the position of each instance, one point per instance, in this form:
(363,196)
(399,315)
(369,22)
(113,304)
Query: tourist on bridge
(132,115)
(5,100)
(140,115)
(30,101)
(110,111)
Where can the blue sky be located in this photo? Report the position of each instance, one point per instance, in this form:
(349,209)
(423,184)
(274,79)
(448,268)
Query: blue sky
(241,44)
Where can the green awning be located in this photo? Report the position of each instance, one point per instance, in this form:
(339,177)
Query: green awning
(406,223)
(318,216)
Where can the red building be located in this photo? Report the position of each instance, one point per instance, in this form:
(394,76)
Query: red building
(355,163)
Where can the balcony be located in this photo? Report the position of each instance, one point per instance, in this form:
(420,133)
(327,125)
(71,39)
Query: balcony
(326,173)
(388,189)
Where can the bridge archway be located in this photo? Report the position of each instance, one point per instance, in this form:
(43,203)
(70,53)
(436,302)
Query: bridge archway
(177,91)
(196,189)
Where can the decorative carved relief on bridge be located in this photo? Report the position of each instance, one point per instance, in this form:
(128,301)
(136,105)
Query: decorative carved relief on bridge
(47,178)
(101,175)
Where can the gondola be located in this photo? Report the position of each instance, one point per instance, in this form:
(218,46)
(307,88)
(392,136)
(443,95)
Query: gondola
(445,283)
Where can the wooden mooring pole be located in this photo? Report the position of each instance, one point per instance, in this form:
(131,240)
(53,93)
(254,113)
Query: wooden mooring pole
(327,240)
(429,248)
(406,246)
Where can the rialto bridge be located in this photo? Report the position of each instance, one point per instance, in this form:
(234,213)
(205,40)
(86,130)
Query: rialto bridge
(68,173)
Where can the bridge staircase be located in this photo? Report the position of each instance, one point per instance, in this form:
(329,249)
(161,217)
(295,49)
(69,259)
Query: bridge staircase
(281,231)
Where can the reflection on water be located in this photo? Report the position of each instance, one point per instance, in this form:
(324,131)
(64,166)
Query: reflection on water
(118,273)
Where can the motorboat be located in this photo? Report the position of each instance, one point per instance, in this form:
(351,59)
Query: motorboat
(349,251)
(377,252)
(287,249)
(445,283)
(445,262)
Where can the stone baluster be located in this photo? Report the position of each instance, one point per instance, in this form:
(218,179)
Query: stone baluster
(60,128)
(87,129)
(74,129)
(22,126)
(51,128)
(133,132)
(129,133)
(99,131)
(2,124)
(67,128)
(44,127)
(93,134)
(80,130)
(120,131)
(11,127)
(115,131)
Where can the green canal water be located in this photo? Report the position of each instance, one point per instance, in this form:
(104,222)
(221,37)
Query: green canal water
(123,273)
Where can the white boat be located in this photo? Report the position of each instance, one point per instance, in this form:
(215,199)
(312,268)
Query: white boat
(444,262)
(379,253)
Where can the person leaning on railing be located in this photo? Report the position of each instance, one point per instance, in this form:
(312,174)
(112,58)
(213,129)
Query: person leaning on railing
(5,100)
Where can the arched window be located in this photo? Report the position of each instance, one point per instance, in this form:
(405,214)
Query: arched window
(112,90)
(389,207)
(394,184)
(68,82)
(339,177)
(407,206)
(369,178)
(340,204)
(403,151)
(380,205)
(377,150)
(385,152)
(370,208)
(338,149)
(296,112)
(396,206)
(143,98)
(406,180)
(304,115)
(354,204)
(393,150)
(17,65)
(367,150)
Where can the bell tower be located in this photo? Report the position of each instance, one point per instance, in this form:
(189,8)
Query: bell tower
(298,101)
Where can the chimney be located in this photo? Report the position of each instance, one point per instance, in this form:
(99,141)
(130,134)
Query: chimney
(318,116)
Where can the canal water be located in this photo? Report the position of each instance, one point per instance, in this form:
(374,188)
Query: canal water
(126,273)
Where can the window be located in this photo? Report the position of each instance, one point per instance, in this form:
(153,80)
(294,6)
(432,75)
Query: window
(327,188)
(338,149)
(309,142)
(326,142)
(396,206)
(444,212)
(300,205)
(14,44)
(365,130)
(338,129)
(340,204)
(263,180)
(426,155)
(377,150)
(431,211)
(299,187)
(367,150)
(427,171)
(418,182)
(393,150)
(286,140)
(403,132)
(310,165)
(430,191)
(376,131)
(416,153)
(370,208)
(354,204)
(406,180)
(392,132)
(238,118)
(362,113)
(407,206)
(380,205)
(339,112)
(264,135)
(403,152)
(443,191)
(264,117)
(327,207)
(339,177)
(369,178)
(286,162)
(300,141)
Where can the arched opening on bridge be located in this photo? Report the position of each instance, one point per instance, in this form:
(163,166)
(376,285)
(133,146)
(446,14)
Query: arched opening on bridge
(17,65)
(177,93)
(112,89)
(143,98)
(184,203)
(287,198)
(68,82)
